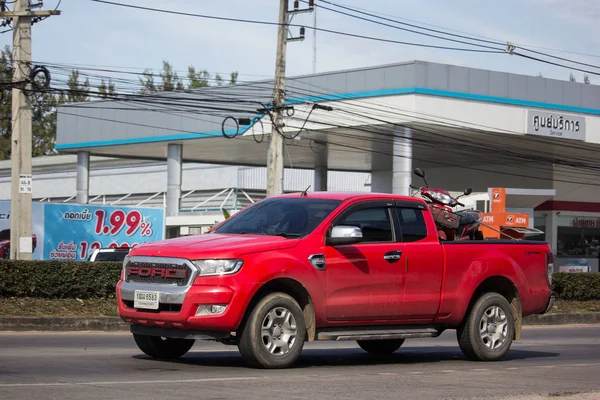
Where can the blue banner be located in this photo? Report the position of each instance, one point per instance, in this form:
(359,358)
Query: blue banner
(72,232)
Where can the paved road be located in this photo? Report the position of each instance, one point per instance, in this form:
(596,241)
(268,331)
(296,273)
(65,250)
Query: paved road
(109,366)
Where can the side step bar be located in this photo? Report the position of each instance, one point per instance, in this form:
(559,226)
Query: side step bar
(377,333)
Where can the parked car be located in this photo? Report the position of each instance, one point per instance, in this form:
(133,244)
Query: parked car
(109,254)
(5,244)
(331,266)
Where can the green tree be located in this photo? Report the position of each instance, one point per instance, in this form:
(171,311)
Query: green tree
(147,82)
(586,79)
(43,124)
(77,92)
(170,80)
(5,103)
(572,78)
(106,90)
(43,108)
(233,77)
(197,79)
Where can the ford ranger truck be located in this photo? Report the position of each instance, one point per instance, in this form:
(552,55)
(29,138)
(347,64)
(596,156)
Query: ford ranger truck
(331,266)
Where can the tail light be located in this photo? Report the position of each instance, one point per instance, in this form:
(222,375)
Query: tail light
(550,266)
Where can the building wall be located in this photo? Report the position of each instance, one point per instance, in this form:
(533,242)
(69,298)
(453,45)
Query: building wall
(150,177)
(95,121)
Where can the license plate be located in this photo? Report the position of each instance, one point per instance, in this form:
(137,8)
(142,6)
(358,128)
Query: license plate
(148,300)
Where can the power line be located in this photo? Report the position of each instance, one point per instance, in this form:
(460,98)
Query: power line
(411,25)
(447,31)
(242,20)
(449,34)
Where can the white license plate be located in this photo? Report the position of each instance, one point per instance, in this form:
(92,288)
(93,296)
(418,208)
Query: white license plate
(147,300)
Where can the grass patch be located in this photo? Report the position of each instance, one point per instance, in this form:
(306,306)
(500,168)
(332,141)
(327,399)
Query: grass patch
(34,307)
(572,306)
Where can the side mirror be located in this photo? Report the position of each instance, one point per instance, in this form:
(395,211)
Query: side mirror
(419,172)
(344,234)
(468,191)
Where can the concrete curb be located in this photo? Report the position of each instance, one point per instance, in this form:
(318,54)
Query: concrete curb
(563,319)
(115,324)
(62,324)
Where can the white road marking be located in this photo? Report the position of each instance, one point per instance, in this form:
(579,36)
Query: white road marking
(255,378)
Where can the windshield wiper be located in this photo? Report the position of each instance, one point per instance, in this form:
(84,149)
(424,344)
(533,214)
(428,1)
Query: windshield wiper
(286,234)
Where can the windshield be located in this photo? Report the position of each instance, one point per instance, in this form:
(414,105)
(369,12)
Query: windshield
(112,255)
(289,217)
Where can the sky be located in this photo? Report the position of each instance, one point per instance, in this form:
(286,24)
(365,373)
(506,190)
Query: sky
(98,34)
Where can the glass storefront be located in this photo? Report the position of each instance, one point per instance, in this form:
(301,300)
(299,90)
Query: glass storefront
(578,244)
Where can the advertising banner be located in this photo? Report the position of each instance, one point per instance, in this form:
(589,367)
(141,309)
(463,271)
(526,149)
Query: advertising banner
(37,226)
(73,231)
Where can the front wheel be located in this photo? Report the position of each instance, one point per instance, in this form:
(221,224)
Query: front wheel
(380,347)
(159,347)
(274,334)
(487,333)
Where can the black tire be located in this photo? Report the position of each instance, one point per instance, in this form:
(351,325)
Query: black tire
(159,347)
(253,346)
(473,345)
(380,347)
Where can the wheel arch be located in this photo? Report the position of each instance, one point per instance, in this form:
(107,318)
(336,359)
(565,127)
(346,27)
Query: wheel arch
(505,287)
(292,288)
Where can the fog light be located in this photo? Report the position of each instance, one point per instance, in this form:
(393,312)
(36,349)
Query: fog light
(210,309)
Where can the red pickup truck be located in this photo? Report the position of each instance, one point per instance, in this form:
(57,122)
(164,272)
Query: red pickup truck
(331,266)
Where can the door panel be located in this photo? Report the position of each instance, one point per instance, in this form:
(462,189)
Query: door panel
(361,283)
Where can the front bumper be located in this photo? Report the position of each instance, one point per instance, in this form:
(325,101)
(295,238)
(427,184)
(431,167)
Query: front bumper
(178,310)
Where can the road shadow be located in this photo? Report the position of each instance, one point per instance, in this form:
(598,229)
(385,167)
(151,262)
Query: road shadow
(311,358)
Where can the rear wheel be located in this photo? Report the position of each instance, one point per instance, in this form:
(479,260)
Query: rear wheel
(380,347)
(274,334)
(487,333)
(159,347)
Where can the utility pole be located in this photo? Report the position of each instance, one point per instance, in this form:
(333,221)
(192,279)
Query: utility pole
(275,155)
(21,182)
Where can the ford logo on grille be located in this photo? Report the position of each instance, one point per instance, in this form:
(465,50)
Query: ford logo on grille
(159,272)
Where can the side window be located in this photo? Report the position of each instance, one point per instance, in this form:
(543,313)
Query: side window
(375,223)
(412,224)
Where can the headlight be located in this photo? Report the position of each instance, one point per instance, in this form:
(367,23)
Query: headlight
(217,267)
(444,198)
(125,261)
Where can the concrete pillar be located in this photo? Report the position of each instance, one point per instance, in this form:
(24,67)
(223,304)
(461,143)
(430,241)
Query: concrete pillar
(552,232)
(320,184)
(83,177)
(174,167)
(320,179)
(381,181)
(402,162)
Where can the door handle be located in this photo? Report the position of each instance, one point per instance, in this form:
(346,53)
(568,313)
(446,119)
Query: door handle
(393,255)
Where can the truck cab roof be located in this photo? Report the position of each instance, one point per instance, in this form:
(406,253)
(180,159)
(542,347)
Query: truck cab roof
(343,196)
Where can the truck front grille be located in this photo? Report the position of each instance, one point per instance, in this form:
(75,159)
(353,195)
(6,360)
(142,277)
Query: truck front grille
(157,272)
